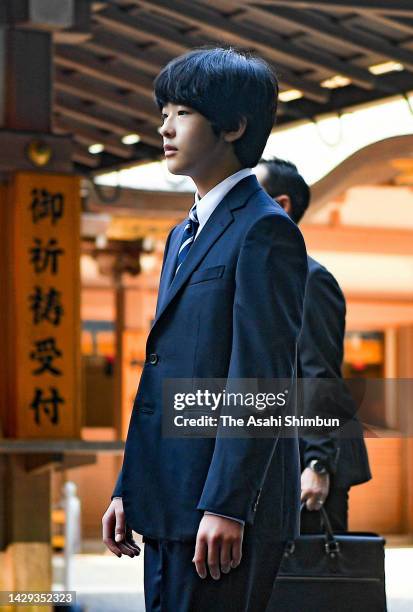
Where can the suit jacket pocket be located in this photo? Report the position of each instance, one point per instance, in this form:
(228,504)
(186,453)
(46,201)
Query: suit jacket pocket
(146,407)
(200,276)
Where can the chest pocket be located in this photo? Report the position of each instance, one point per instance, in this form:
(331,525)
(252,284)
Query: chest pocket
(200,276)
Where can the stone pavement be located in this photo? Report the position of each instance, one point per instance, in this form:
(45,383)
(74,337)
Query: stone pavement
(105,583)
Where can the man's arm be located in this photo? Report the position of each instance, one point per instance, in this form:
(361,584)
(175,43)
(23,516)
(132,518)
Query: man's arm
(321,339)
(321,354)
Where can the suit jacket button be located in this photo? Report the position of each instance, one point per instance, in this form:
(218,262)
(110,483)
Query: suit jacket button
(153,358)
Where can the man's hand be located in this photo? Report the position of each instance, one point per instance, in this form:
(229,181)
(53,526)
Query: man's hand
(219,541)
(314,488)
(116,535)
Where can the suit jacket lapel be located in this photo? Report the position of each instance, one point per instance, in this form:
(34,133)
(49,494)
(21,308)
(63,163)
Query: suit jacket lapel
(218,222)
(168,271)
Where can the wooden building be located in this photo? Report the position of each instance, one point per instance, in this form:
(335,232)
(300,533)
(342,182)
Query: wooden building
(75,101)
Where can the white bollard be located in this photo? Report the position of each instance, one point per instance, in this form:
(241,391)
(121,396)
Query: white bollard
(72,509)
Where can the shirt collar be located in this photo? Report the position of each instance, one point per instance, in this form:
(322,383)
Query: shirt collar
(205,206)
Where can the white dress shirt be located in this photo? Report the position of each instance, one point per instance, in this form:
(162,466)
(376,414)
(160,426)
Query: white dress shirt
(205,206)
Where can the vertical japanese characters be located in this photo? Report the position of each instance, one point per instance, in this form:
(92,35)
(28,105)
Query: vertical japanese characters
(46,305)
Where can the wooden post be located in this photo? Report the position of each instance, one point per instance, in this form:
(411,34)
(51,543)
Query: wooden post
(405,372)
(40,386)
(39,282)
(25,559)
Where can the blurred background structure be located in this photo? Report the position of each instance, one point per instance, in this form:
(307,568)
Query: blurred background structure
(82,183)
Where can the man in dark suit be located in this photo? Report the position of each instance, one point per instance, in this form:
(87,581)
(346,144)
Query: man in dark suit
(331,463)
(229,307)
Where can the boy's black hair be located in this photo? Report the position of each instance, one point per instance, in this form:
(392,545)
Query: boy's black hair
(224,85)
(284,178)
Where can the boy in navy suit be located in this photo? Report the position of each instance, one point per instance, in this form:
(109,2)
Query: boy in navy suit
(229,307)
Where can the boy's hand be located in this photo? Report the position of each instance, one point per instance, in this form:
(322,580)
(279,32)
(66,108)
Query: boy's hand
(219,541)
(116,535)
(314,488)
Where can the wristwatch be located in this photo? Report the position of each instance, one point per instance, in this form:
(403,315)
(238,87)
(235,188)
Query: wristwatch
(317,466)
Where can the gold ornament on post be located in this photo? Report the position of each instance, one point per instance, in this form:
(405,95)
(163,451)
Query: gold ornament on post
(39,153)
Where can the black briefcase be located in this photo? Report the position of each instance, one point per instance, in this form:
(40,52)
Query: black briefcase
(331,573)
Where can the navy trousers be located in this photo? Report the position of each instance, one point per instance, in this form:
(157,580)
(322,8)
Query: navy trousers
(172,584)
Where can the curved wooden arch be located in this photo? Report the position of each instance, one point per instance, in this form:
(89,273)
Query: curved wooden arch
(370,165)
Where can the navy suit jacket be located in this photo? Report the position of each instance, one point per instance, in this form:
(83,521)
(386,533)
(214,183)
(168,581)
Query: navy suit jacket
(320,350)
(233,310)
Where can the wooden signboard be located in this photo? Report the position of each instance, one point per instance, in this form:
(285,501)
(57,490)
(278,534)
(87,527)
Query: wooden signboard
(44,264)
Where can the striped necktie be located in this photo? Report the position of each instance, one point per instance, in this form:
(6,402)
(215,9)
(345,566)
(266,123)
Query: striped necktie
(188,237)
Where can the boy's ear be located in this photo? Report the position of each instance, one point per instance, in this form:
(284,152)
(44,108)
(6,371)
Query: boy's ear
(238,133)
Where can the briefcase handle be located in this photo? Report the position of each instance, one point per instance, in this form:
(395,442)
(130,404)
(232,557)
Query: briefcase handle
(332,546)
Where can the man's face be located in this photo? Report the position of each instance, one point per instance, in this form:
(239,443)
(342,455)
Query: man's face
(190,145)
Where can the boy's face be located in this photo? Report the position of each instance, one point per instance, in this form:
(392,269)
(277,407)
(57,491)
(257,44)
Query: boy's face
(190,145)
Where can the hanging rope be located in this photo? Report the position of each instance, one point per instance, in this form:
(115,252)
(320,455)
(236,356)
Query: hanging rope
(408,102)
(325,140)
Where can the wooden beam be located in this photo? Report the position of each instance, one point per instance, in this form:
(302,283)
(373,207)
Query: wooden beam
(126,24)
(183,43)
(376,312)
(85,139)
(108,43)
(392,298)
(351,239)
(14,446)
(81,155)
(158,205)
(289,80)
(325,29)
(39,464)
(87,135)
(114,73)
(70,106)
(389,7)
(272,45)
(357,170)
(344,238)
(402,25)
(130,104)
